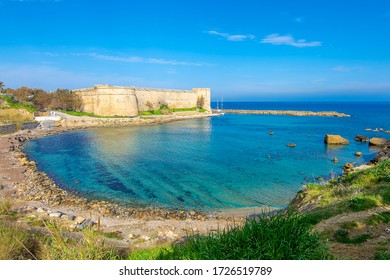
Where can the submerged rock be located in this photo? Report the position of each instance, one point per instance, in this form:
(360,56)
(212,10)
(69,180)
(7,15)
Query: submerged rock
(361,138)
(335,140)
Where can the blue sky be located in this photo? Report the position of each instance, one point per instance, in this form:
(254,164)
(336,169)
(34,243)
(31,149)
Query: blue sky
(243,50)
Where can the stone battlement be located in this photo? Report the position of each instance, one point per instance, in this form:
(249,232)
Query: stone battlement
(107,100)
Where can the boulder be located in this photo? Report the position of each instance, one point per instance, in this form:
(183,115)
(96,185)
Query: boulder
(381,156)
(380,142)
(358,154)
(335,140)
(348,167)
(361,138)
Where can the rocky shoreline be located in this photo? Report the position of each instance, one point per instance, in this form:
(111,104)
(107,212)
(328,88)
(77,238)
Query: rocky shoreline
(285,112)
(39,197)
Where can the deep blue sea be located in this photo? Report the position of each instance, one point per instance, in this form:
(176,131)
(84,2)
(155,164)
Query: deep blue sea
(221,162)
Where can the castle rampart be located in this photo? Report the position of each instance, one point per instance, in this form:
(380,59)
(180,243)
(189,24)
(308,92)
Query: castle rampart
(106,100)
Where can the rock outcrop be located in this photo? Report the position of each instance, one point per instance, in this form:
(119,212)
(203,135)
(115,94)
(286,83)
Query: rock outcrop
(381,156)
(361,138)
(379,142)
(335,140)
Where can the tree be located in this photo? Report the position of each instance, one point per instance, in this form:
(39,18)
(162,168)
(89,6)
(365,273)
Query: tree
(41,100)
(1,86)
(200,101)
(64,99)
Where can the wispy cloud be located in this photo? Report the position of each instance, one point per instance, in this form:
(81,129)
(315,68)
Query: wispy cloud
(46,53)
(276,39)
(341,69)
(231,37)
(137,59)
(298,19)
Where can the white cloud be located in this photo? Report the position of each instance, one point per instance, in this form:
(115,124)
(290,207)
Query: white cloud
(46,53)
(230,37)
(341,69)
(137,59)
(276,39)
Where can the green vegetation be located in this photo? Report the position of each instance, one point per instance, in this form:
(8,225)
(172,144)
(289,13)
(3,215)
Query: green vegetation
(362,203)
(353,192)
(7,102)
(164,110)
(342,236)
(350,225)
(383,254)
(90,247)
(352,195)
(149,254)
(274,237)
(379,218)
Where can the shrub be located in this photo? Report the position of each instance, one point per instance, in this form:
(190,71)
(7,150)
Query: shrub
(363,203)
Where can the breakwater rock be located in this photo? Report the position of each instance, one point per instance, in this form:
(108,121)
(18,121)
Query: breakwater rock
(286,112)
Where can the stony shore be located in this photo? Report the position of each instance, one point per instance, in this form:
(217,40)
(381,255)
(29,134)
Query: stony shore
(286,113)
(39,196)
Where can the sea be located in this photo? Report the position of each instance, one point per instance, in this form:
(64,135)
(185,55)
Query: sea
(217,163)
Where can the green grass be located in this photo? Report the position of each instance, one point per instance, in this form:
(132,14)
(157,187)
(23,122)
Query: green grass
(148,254)
(16,105)
(273,237)
(350,225)
(352,192)
(379,218)
(164,110)
(59,247)
(362,203)
(16,242)
(6,205)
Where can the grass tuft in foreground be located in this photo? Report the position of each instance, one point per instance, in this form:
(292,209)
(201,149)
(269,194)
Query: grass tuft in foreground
(271,237)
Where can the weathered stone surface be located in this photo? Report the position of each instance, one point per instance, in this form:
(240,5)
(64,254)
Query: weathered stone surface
(106,100)
(348,167)
(56,214)
(361,138)
(381,156)
(331,139)
(79,220)
(380,142)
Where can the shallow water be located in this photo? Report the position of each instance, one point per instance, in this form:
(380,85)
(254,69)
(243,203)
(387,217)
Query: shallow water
(214,163)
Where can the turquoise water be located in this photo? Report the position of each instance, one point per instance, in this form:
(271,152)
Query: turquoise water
(214,163)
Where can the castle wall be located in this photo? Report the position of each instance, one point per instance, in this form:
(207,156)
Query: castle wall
(105,100)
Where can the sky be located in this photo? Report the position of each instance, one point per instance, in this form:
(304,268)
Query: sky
(247,50)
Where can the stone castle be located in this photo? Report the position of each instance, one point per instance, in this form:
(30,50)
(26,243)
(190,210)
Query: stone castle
(106,100)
